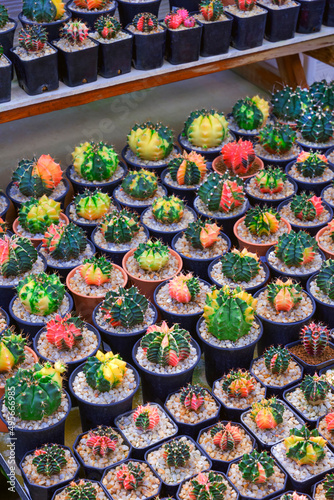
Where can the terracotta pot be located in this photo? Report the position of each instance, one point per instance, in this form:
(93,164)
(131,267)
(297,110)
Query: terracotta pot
(37,241)
(259,248)
(328,254)
(3,426)
(147,287)
(85,304)
(219,166)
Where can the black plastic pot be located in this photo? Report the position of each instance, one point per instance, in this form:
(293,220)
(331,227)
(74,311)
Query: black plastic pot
(139,209)
(310,15)
(53,28)
(312,230)
(277,162)
(139,453)
(61,198)
(322,195)
(310,369)
(280,333)
(254,200)
(328,19)
(185,193)
(211,470)
(37,75)
(248,32)
(219,360)
(311,423)
(90,17)
(183,46)
(157,168)
(165,236)
(24,439)
(122,343)
(5,210)
(148,50)
(246,135)
(281,23)
(7,38)
(90,480)
(96,473)
(290,493)
(63,270)
(330,445)
(79,67)
(324,312)
(322,147)
(190,5)
(157,386)
(222,465)
(94,414)
(328,152)
(251,289)
(5,315)
(315,187)
(128,10)
(46,492)
(115,58)
(28,328)
(105,187)
(216,37)
(5,81)
(208,155)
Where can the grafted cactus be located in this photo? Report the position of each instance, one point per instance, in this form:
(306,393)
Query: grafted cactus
(3,16)
(296,248)
(322,94)
(314,337)
(187,169)
(17,256)
(152,255)
(206,129)
(262,221)
(145,22)
(130,475)
(316,125)
(41,294)
(49,460)
(124,307)
(82,490)
(91,4)
(277,359)
(176,453)
(245,5)
(211,10)
(202,234)
(37,176)
(184,288)
(168,209)
(104,371)
(192,397)
(11,350)
(325,278)
(180,17)
(238,156)
(43,11)
(96,271)
(257,467)
(226,437)
(95,161)
(119,227)
(149,141)
(140,184)
(240,265)
(288,103)
(65,333)
(36,216)
(75,32)
(250,113)
(102,441)
(92,205)
(305,447)
(311,164)
(222,193)
(277,139)
(107,27)
(284,295)
(208,486)
(238,384)
(267,413)
(306,207)
(315,388)
(146,417)
(271,180)
(64,242)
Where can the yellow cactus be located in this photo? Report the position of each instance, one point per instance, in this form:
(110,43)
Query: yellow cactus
(151,142)
(206,129)
(263,106)
(113,368)
(60,7)
(55,371)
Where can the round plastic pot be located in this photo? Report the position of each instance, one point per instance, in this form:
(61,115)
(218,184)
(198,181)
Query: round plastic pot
(297,278)
(310,369)
(79,67)
(183,46)
(248,32)
(94,414)
(139,453)
(324,312)
(90,17)
(148,50)
(329,444)
(128,10)
(328,253)
(218,165)
(89,227)
(57,492)
(213,469)
(208,155)
(147,287)
(190,5)
(115,58)
(133,165)
(60,198)
(139,209)
(185,193)
(290,493)
(5,210)
(219,360)
(251,289)
(37,241)
(85,304)
(31,329)
(275,333)
(6,81)
(328,19)
(122,343)
(200,267)
(52,29)
(105,187)
(157,386)
(46,492)
(254,200)
(37,75)
(312,230)
(328,152)
(322,195)
(25,439)
(216,36)
(310,15)
(96,473)
(63,270)
(306,147)
(222,465)
(165,236)
(7,38)
(259,248)
(245,135)
(281,23)
(315,187)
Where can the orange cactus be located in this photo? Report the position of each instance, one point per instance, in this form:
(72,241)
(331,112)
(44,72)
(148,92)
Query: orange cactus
(284,295)
(226,437)
(96,271)
(231,196)
(330,422)
(184,288)
(193,157)
(209,235)
(48,170)
(262,477)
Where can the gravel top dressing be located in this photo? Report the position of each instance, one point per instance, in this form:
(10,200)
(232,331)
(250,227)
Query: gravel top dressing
(320,492)
(16,194)
(65,473)
(266,310)
(129,155)
(319,294)
(188,416)
(273,484)
(164,300)
(184,247)
(267,239)
(326,241)
(328,195)
(148,320)
(330,375)
(100,240)
(327,175)
(314,145)
(228,344)
(148,488)
(289,155)
(75,217)
(67,46)
(88,252)
(328,435)
(121,196)
(79,285)
(230,493)
(100,494)
(168,180)
(121,35)
(240,403)
(231,121)
(95,460)
(276,379)
(26,55)
(216,453)
(217,275)
(312,412)
(252,188)
(299,351)
(310,267)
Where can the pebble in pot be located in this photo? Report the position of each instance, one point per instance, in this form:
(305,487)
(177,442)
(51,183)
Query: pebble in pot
(213,482)
(311,171)
(248,117)
(320,286)
(238,158)
(270,187)
(322,488)
(315,128)
(277,145)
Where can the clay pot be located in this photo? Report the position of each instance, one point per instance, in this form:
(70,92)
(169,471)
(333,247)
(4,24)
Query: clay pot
(85,304)
(259,248)
(328,254)
(147,287)
(37,241)
(219,166)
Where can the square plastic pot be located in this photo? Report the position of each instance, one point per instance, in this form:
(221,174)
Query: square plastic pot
(248,32)
(79,67)
(190,5)
(5,81)
(115,58)
(183,46)
(324,312)
(310,15)
(7,38)
(128,10)
(328,19)
(311,423)
(216,36)
(281,23)
(90,17)
(37,75)
(148,50)
(310,369)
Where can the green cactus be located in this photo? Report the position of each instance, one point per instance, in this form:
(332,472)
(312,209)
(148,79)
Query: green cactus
(168,209)
(211,10)
(206,128)
(311,164)
(314,337)
(104,371)
(304,446)
(152,255)
(306,207)
(37,176)
(17,256)
(187,169)
(75,32)
(270,180)
(33,38)
(208,486)
(328,486)
(262,221)
(277,359)
(150,142)
(316,125)
(166,346)
(65,242)
(240,265)
(322,94)
(257,467)
(192,397)
(145,22)
(222,192)
(37,215)
(82,490)
(176,453)
(315,389)
(107,27)
(288,103)
(296,249)
(277,139)
(229,314)
(247,115)
(12,350)
(41,294)
(325,278)
(141,184)
(201,234)
(95,161)
(96,270)
(92,205)
(49,460)
(124,307)
(43,11)
(119,227)
(3,16)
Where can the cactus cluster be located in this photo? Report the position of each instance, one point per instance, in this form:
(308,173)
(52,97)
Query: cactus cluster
(314,337)
(150,141)
(305,447)
(179,18)
(226,437)
(229,313)
(270,180)
(192,397)
(277,359)
(49,460)
(187,169)
(325,278)
(311,164)
(43,11)
(41,294)
(95,161)
(207,486)
(124,307)
(277,139)
(119,227)
(91,4)
(91,205)
(12,351)
(166,346)
(17,256)
(64,242)
(314,388)
(3,16)
(37,176)
(211,10)
(102,440)
(176,453)
(130,475)
(64,333)
(262,221)
(222,193)
(316,125)
(74,32)
(35,216)
(257,467)
(184,288)
(146,417)
(206,129)
(284,295)
(82,490)
(238,156)
(33,38)
(250,113)
(168,209)
(152,255)
(104,371)
(201,234)
(145,22)
(296,248)
(267,413)
(238,384)
(240,266)
(288,103)
(96,271)
(306,207)
(140,184)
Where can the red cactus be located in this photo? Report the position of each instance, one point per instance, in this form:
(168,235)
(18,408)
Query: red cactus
(64,332)
(226,437)
(146,417)
(232,196)
(330,422)
(173,20)
(238,156)
(131,476)
(102,441)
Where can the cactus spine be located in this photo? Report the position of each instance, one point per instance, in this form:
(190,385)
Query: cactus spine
(49,460)
(311,164)
(119,227)
(104,371)
(257,467)
(277,139)
(240,266)
(176,453)
(17,256)
(316,125)
(314,388)
(250,114)
(124,307)
(41,294)
(277,359)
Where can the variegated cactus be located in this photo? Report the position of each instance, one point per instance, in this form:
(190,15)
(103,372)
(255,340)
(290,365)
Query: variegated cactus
(130,475)
(168,209)
(187,169)
(296,248)
(306,207)
(262,221)
(240,266)
(17,256)
(146,417)
(226,437)
(206,128)
(140,184)
(41,294)
(37,176)
(238,384)
(104,371)
(238,156)
(92,205)
(64,332)
(176,453)
(12,350)
(222,193)
(102,441)
(120,227)
(270,180)
(311,164)
(315,388)
(96,271)
(277,139)
(305,447)
(267,413)
(207,486)
(95,161)
(184,288)
(314,337)
(277,359)
(192,397)
(257,467)
(152,255)
(329,419)
(124,307)
(250,113)
(284,295)
(36,216)
(64,242)
(149,141)
(49,460)
(201,234)
(325,278)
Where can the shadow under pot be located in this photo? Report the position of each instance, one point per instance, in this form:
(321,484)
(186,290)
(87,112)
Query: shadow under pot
(7,37)
(247,31)
(283,332)
(115,55)
(53,28)
(223,355)
(209,154)
(157,385)
(216,36)
(310,16)
(100,491)
(275,200)
(5,80)
(17,203)
(311,228)
(39,74)
(308,184)
(127,10)
(281,21)
(148,49)
(328,19)
(319,362)
(80,184)
(134,205)
(100,408)
(183,45)
(90,16)
(324,310)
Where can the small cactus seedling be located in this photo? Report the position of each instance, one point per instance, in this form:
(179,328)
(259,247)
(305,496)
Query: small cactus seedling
(238,384)
(176,453)
(43,11)
(37,176)
(166,346)
(91,4)
(229,313)
(211,10)
(328,486)
(82,490)
(102,441)
(124,307)
(119,227)
(95,161)
(184,288)
(240,266)
(262,221)
(64,333)
(107,27)
(325,278)
(168,209)
(192,397)
(17,256)
(41,294)
(316,125)
(329,419)
(11,350)
(305,447)
(130,475)
(277,359)
(36,216)
(315,388)
(306,207)
(296,249)
(226,437)
(206,128)
(33,38)
(75,32)
(202,234)
(288,103)
(222,193)
(187,169)
(277,139)
(271,180)
(3,16)
(284,295)
(96,271)
(64,242)
(250,114)
(314,338)
(152,255)
(267,414)
(49,460)
(150,142)
(146,417)
(104,371)
(145,22)
(141,184)
(311,164)
(238,156)
(257,467)
(207,486)
(91,205)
